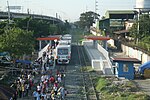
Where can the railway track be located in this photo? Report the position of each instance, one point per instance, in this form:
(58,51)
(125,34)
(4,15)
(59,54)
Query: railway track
(6,91)
(62,70)
(89,89)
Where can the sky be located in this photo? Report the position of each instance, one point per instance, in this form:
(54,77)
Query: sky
(67,9)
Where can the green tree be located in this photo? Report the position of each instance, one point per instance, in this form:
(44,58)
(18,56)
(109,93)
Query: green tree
(40,28)
(17,41)
(134,32)
(144,24)
(2,26)
(144,28)
(87,19)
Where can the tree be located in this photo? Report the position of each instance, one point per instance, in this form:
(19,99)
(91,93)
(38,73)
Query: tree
(87,19)
(17,41)
(30,29)
(144,28)
(134,32)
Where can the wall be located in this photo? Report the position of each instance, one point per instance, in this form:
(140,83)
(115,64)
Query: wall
(108,68)
(131,52)
(96,63)
(127,75)
(135,53)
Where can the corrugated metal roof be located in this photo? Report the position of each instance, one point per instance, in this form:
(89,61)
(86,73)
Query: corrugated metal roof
(107,14)
(97,37)
(121,31)
(49,38)
(126,60)
(120,11)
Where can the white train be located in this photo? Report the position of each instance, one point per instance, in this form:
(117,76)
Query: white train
(63,54)
(63,42)
(67,37)
(63,50)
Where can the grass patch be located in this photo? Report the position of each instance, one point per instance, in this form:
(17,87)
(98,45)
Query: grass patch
(101,84)
(87,69)
(125,91)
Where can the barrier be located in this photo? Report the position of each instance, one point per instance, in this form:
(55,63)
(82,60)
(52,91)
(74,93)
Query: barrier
(42,50)
(99,57)
(96,63)
(108,67)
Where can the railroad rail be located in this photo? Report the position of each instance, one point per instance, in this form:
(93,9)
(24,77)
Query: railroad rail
(6,91)
(90,92)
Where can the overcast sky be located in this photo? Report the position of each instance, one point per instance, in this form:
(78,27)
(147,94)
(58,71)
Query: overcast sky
(68,9)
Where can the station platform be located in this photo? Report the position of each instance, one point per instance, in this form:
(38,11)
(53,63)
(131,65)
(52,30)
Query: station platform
(99,57)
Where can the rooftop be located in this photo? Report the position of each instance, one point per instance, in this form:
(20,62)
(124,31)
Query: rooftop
(120,14)
(126,60)
(97,37)
(49,38)
(121,31)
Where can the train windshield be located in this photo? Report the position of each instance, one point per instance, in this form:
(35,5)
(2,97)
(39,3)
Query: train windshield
(62,51)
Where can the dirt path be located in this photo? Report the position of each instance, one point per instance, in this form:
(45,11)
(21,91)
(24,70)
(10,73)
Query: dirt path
(144,85)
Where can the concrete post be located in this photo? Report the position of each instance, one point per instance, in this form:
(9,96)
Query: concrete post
(50,42)
(40,45)
(105,44)
(94,43)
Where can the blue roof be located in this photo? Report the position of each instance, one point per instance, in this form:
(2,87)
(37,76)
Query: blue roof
(144,66)
(23,61)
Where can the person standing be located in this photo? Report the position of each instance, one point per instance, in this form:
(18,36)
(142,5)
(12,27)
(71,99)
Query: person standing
(35,95)
(62,93)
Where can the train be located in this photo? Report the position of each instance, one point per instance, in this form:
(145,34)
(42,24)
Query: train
(63,50)
(67,37)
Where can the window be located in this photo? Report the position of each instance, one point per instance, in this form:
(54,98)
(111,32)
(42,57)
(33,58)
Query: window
(125,68)
(62,51)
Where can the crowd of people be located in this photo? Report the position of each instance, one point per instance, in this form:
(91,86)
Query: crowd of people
(50,88)
(50,85)
(23,85)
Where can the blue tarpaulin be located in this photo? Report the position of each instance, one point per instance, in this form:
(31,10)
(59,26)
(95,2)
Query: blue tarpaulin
(144,66)
(4,53)
(23,61)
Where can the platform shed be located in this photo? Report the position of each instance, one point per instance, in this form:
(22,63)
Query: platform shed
(49,38)
(101,38)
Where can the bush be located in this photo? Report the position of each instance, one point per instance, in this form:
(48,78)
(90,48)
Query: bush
(101,84)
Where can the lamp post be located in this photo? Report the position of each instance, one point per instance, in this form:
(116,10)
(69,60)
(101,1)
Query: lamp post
(104,33)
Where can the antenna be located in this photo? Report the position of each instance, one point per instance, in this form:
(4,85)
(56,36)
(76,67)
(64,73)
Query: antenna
(96,5)
(86,8)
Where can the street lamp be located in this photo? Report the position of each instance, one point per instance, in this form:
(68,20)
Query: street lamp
(104,32)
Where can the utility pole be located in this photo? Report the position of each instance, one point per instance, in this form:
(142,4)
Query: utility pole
(8,12)
(96,8)
(28,20)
